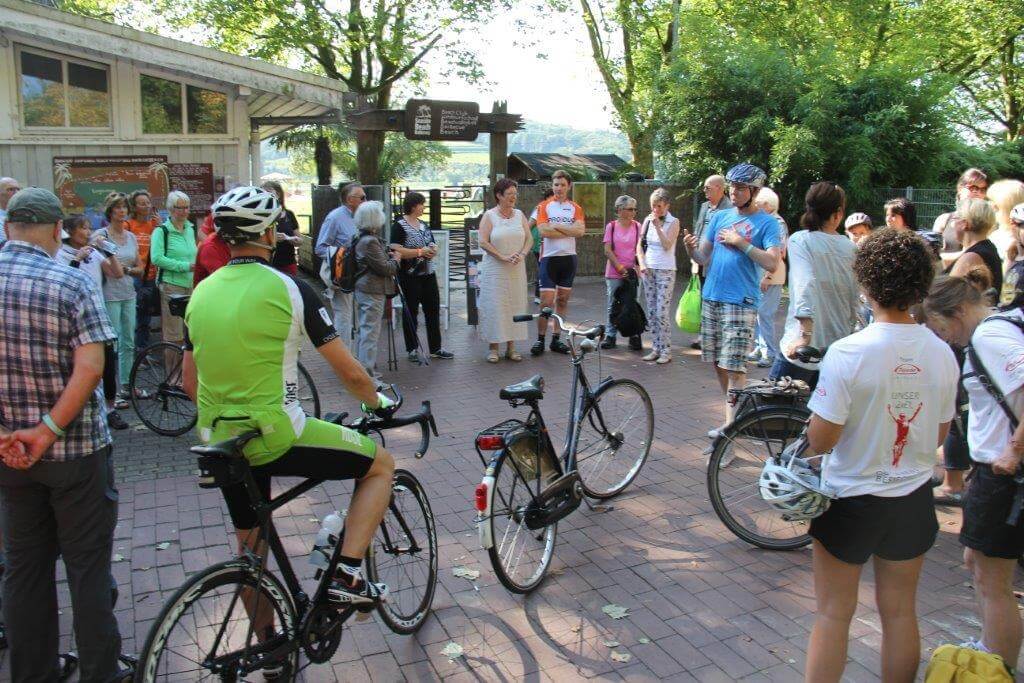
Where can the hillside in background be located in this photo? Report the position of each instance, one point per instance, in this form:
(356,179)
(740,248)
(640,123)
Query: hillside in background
(469,161)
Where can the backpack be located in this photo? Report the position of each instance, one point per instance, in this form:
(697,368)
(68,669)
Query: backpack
(954,664)
(626,313)
(340,268)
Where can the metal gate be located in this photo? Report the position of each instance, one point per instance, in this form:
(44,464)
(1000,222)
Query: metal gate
(447,209)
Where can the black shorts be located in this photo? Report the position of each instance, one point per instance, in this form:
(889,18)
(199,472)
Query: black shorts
(557,272)
(301,461)
(895,529)
(986,506)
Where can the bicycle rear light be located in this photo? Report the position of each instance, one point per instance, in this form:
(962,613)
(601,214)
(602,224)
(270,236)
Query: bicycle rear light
(490,442)
(481,497)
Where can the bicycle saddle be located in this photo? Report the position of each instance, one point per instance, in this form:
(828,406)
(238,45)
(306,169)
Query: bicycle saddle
(229,448)
(532,388)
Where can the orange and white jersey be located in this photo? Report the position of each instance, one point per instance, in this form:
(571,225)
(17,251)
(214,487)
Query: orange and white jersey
(559,214)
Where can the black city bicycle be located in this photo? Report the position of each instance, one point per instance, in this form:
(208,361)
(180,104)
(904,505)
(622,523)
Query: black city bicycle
(527,488)
(206,632)
(768,417)
(156,393)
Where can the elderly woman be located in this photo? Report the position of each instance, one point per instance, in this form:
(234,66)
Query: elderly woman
(375,284)
(767,340)
(413,241)
(656,263)
(119,292)
(505,239)
(620,238)
(288,237)
(172,249)
(81,250)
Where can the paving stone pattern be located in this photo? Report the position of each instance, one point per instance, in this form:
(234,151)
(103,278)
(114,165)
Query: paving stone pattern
(702,604)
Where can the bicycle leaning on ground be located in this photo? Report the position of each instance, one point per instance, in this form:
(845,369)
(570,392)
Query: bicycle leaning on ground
(527,488)
(768,417)
(206,629)
(155,390)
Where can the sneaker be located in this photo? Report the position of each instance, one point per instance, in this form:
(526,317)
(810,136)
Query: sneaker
(635,343)
(558,346)
(414,356)
(356,591)
(714,433)
(115,421)
(754,355)
(764,363)
(536,299)
(537,348)
(664,357)
(608,343)
(695,345)
(443,353)
(652,356)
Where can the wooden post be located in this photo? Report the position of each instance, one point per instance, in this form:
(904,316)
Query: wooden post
(498,147)
(367,159)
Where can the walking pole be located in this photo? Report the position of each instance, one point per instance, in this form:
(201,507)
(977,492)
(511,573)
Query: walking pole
(392,351)
(422,358)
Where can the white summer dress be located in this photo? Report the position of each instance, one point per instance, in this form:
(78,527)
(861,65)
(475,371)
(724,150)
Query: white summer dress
(502,284)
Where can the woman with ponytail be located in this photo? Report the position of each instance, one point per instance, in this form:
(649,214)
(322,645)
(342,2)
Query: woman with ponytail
(959,313)
(823,294)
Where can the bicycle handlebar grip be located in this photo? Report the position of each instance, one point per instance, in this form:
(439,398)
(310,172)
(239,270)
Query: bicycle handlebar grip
(597,333)
(522,318)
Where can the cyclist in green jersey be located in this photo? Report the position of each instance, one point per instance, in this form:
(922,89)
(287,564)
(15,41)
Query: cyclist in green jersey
(245,327)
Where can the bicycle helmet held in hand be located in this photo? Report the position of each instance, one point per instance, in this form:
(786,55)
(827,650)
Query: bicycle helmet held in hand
(747,174)
(248,210)
(792,486)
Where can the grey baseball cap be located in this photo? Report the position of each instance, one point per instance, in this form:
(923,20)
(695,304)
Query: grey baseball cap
(34,205)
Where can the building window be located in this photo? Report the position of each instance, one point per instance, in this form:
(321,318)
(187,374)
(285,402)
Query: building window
(57,92)
(168,107)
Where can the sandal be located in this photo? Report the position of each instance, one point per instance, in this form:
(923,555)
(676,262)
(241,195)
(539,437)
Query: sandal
(513,355)
(492,357)
(949,498)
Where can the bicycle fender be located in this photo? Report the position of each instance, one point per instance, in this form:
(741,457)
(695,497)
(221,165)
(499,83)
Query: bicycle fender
(483,517)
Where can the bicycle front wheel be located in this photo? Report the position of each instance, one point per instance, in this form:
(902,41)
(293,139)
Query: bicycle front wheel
(615,435)
(403,555)
(308,396)
(205,629)
(156,391)
(520,555)
(734,470)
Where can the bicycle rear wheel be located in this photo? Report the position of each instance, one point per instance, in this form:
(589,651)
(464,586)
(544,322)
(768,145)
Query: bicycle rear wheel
(615,438)
(308,396)
(156,391)
(403,555)
(203,631)
(520,556)
(734,470)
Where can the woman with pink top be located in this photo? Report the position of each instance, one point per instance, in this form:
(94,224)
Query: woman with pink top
(620,238)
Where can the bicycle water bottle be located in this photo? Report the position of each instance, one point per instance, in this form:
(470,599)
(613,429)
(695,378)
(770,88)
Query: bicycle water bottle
(325,540)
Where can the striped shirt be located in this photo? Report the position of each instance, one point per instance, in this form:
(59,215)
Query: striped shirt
(49,310)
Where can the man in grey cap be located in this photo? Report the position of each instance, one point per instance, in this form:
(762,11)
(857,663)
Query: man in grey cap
(56,481)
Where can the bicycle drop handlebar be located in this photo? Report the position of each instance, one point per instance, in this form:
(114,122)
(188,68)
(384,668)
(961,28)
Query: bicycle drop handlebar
(595,332)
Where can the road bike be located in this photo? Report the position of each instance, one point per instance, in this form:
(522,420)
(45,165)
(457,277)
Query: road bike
(527,488)
(155,388)
(205,631)
(768,417)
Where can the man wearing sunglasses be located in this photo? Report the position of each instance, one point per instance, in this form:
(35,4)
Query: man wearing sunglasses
(337,231)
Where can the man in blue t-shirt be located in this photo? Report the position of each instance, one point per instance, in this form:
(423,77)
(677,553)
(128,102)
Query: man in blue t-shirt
(736,245)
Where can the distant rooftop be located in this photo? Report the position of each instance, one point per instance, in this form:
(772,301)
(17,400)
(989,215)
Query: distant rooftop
(540,165)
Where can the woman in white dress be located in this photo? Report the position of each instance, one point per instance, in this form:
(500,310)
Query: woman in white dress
(505,239)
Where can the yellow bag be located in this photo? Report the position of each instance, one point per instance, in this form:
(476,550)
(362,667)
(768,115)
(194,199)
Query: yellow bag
(955,664)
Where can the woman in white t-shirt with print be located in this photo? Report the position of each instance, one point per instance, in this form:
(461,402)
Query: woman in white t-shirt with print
(883,404)
(959,313)
(656,263)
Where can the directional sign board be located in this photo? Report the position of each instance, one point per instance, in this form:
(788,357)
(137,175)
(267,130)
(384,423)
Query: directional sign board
(441,120)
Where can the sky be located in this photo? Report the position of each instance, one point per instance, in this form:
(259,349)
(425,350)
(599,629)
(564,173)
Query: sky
(565,88)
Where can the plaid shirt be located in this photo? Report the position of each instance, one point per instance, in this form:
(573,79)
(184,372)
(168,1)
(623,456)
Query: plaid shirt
(49,310)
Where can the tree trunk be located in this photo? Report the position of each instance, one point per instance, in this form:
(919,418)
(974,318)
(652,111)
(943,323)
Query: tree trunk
(641,144)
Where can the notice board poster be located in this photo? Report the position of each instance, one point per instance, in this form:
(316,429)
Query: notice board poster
(195,180)
(592,198)
(82,183)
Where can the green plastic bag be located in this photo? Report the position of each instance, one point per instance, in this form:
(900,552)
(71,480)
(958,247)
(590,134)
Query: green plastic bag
(688,311)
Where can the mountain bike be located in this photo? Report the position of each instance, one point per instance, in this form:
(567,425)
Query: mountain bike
(768,417)
(205,630)
(527,488)
(156,393)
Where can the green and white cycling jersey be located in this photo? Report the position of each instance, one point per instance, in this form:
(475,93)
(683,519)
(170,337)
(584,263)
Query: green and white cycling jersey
(245,326)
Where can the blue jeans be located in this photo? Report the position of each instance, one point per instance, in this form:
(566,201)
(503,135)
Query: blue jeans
(783,368)
(767,336)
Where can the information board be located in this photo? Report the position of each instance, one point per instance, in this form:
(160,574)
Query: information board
(82,183)
(441,120)
(592,197)
(195,180)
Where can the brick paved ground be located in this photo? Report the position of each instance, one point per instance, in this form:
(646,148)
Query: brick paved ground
(703,605)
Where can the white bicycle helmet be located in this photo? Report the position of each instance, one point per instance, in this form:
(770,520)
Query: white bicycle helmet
(792,486)
(1017,214)
(250,210)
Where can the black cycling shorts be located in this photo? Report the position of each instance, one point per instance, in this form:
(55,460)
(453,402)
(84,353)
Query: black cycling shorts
(895,529)
(986,506)
(557,272)
(301,461)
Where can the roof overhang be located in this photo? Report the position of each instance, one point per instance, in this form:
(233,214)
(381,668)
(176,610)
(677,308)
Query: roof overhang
(290,96)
